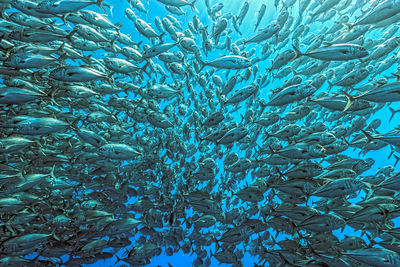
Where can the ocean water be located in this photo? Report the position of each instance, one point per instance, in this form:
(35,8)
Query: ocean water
(155,8)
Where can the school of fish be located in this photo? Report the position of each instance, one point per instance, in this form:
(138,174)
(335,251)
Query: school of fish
(177,139)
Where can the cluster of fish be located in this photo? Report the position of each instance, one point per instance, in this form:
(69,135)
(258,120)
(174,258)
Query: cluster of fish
(132,147)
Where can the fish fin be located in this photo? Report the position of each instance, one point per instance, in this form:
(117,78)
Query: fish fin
(293,71)
(118,259)
(160,37)
(61,59)
(348,25)
(118,26)
(281,175)
(101,4)
(193,7)
(391,151)
(397,76)
(64,18)
(371,240)
(203,64)
(370,137)
(370,192)
(393,111)
(110,78)
(298,52)
(330,85)
(350,100)
(70,34)
(397,159)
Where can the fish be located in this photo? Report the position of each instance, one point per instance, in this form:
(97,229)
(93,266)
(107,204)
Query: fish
(291,93)
(383,94)
(380,12)
(76,74)
(260,14)
(228,62)
(179,3)
(335,52)
(66,6)
(264,34)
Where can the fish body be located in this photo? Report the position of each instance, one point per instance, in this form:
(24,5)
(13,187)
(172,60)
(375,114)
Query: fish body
(229,62)
(264,34)
(76,74)
(28,61)
(15,95)
(40,126)
(157,50)
(336,52)
(118,151)
(382,11)
(291,94)
(55,7)
(260,15)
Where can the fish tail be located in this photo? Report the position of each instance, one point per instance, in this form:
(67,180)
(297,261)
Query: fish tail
(118,26)
(70,34)
(180,92)
(216,246)
(391,151)
(203,64)
(348,25)
(144,69)
(330,85)
(160,37)
(371,240)
(51,95)
(118,259)
(350,100)
(293,71)
(61,48)
(370,191)
(193,7)
(52,175)
(397,159)
(110,78)
(397,76)
(113,41)
(393,111)
(74,124)
(370,137)
(61,59)
(298,52)
(101,4)
(64,18)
